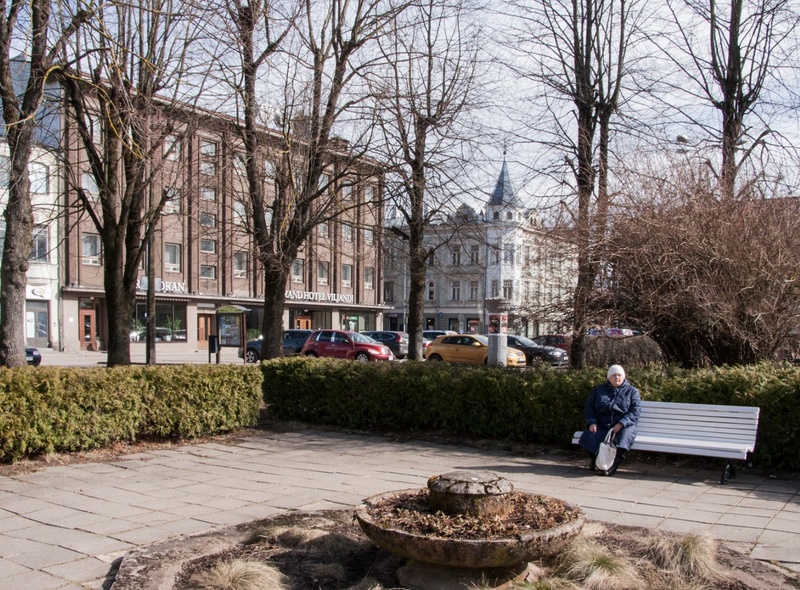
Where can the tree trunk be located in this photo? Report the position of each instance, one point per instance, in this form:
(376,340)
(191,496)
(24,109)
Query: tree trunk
(275,277)
(120,299)
(18,218)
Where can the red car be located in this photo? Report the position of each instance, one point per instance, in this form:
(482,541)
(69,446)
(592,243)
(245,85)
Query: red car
(346,345)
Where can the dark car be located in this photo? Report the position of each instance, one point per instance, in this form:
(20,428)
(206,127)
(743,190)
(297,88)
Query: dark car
(33,356)
(346,345)
(293,341)
(537,354)
(562,341)
(397,341)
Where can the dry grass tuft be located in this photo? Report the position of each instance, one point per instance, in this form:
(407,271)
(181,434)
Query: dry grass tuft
(240,574)
(295,537)
(327,572)
(367,584)
(547,584)
(596,567)
(688,556)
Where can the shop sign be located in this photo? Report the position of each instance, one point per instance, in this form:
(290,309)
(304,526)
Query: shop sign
(320,297)
(161,286)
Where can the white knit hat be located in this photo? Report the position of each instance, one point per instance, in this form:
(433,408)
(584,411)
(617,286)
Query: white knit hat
(615,369)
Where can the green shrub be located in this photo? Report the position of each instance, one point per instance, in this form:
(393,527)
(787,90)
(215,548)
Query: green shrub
(49,409)
(542,406)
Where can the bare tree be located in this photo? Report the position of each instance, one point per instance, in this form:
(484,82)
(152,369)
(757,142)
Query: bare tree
(425,93)
(732,56)
(316,78)
(577,52)
(32,28)
(135,56)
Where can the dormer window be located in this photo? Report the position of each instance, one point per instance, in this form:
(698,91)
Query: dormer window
(509,215)
(496,216)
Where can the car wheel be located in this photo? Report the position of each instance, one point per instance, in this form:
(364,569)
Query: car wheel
(251,356)
(362,357)
(311,353)
(536,361)
(435,357)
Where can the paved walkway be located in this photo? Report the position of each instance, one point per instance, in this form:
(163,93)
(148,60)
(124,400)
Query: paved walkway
(64,526)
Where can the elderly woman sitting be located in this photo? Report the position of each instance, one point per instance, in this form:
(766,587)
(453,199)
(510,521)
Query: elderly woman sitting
(614,405)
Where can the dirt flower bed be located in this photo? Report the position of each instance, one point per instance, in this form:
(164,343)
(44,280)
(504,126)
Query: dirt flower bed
(409,512)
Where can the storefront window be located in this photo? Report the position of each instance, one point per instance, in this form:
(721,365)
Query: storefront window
(170,322)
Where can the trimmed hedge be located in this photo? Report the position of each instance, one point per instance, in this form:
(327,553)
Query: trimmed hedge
(48,409)
(541,406)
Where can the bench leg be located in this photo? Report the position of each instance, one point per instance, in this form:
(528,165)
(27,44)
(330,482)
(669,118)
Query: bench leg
(728,471)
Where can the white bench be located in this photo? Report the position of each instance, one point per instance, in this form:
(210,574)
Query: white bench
(706,430)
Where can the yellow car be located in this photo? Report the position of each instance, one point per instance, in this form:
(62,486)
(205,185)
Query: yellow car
(468,348)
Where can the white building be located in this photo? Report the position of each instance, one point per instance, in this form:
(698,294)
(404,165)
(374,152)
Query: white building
(498,261)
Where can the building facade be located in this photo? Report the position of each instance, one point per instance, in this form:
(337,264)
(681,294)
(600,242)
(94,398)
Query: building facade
(499,261)
(205,256)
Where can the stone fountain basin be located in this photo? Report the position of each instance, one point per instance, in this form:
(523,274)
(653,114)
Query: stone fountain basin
(466,553)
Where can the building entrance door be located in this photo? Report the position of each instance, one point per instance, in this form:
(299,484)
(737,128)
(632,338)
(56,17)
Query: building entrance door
(88,324)
(205,328)
(302,322)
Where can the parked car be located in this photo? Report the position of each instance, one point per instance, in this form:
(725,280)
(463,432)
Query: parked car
(468,348)
(293,341)
(397,341)
(562,341)
(431,334)
(346,345)
(33,356)
(537,354)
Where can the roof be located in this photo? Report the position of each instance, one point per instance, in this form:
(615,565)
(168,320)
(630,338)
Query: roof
(504,193)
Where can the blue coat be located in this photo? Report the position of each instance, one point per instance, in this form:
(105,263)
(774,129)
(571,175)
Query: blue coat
(607,406)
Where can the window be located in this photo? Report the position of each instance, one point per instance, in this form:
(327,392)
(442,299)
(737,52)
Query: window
(240,163)
(240,265)
(455,290)
(208,271)
(347,275)
(323,266)
(89,186)
(431,291)
(208,149)
(368,194)
(473,290)
(208,246)
(297,270)
(39,176)
(527,255)
(347,232)
(508,253)
(369,277)
(5,167)
(239,212)
(208,193)
(347,192)
(172,257)
(495,254)
(90,248)
(369,236)
(324,229)
(269,169)
(508,290)
(388,291)
(39,249)
(172,200)
(496,215)
(95,128)
(172,148)
(495,288)
(431,258)
(474,254)
(324,179)
(208,220)
(208,167)
(455,256)
(509,215)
